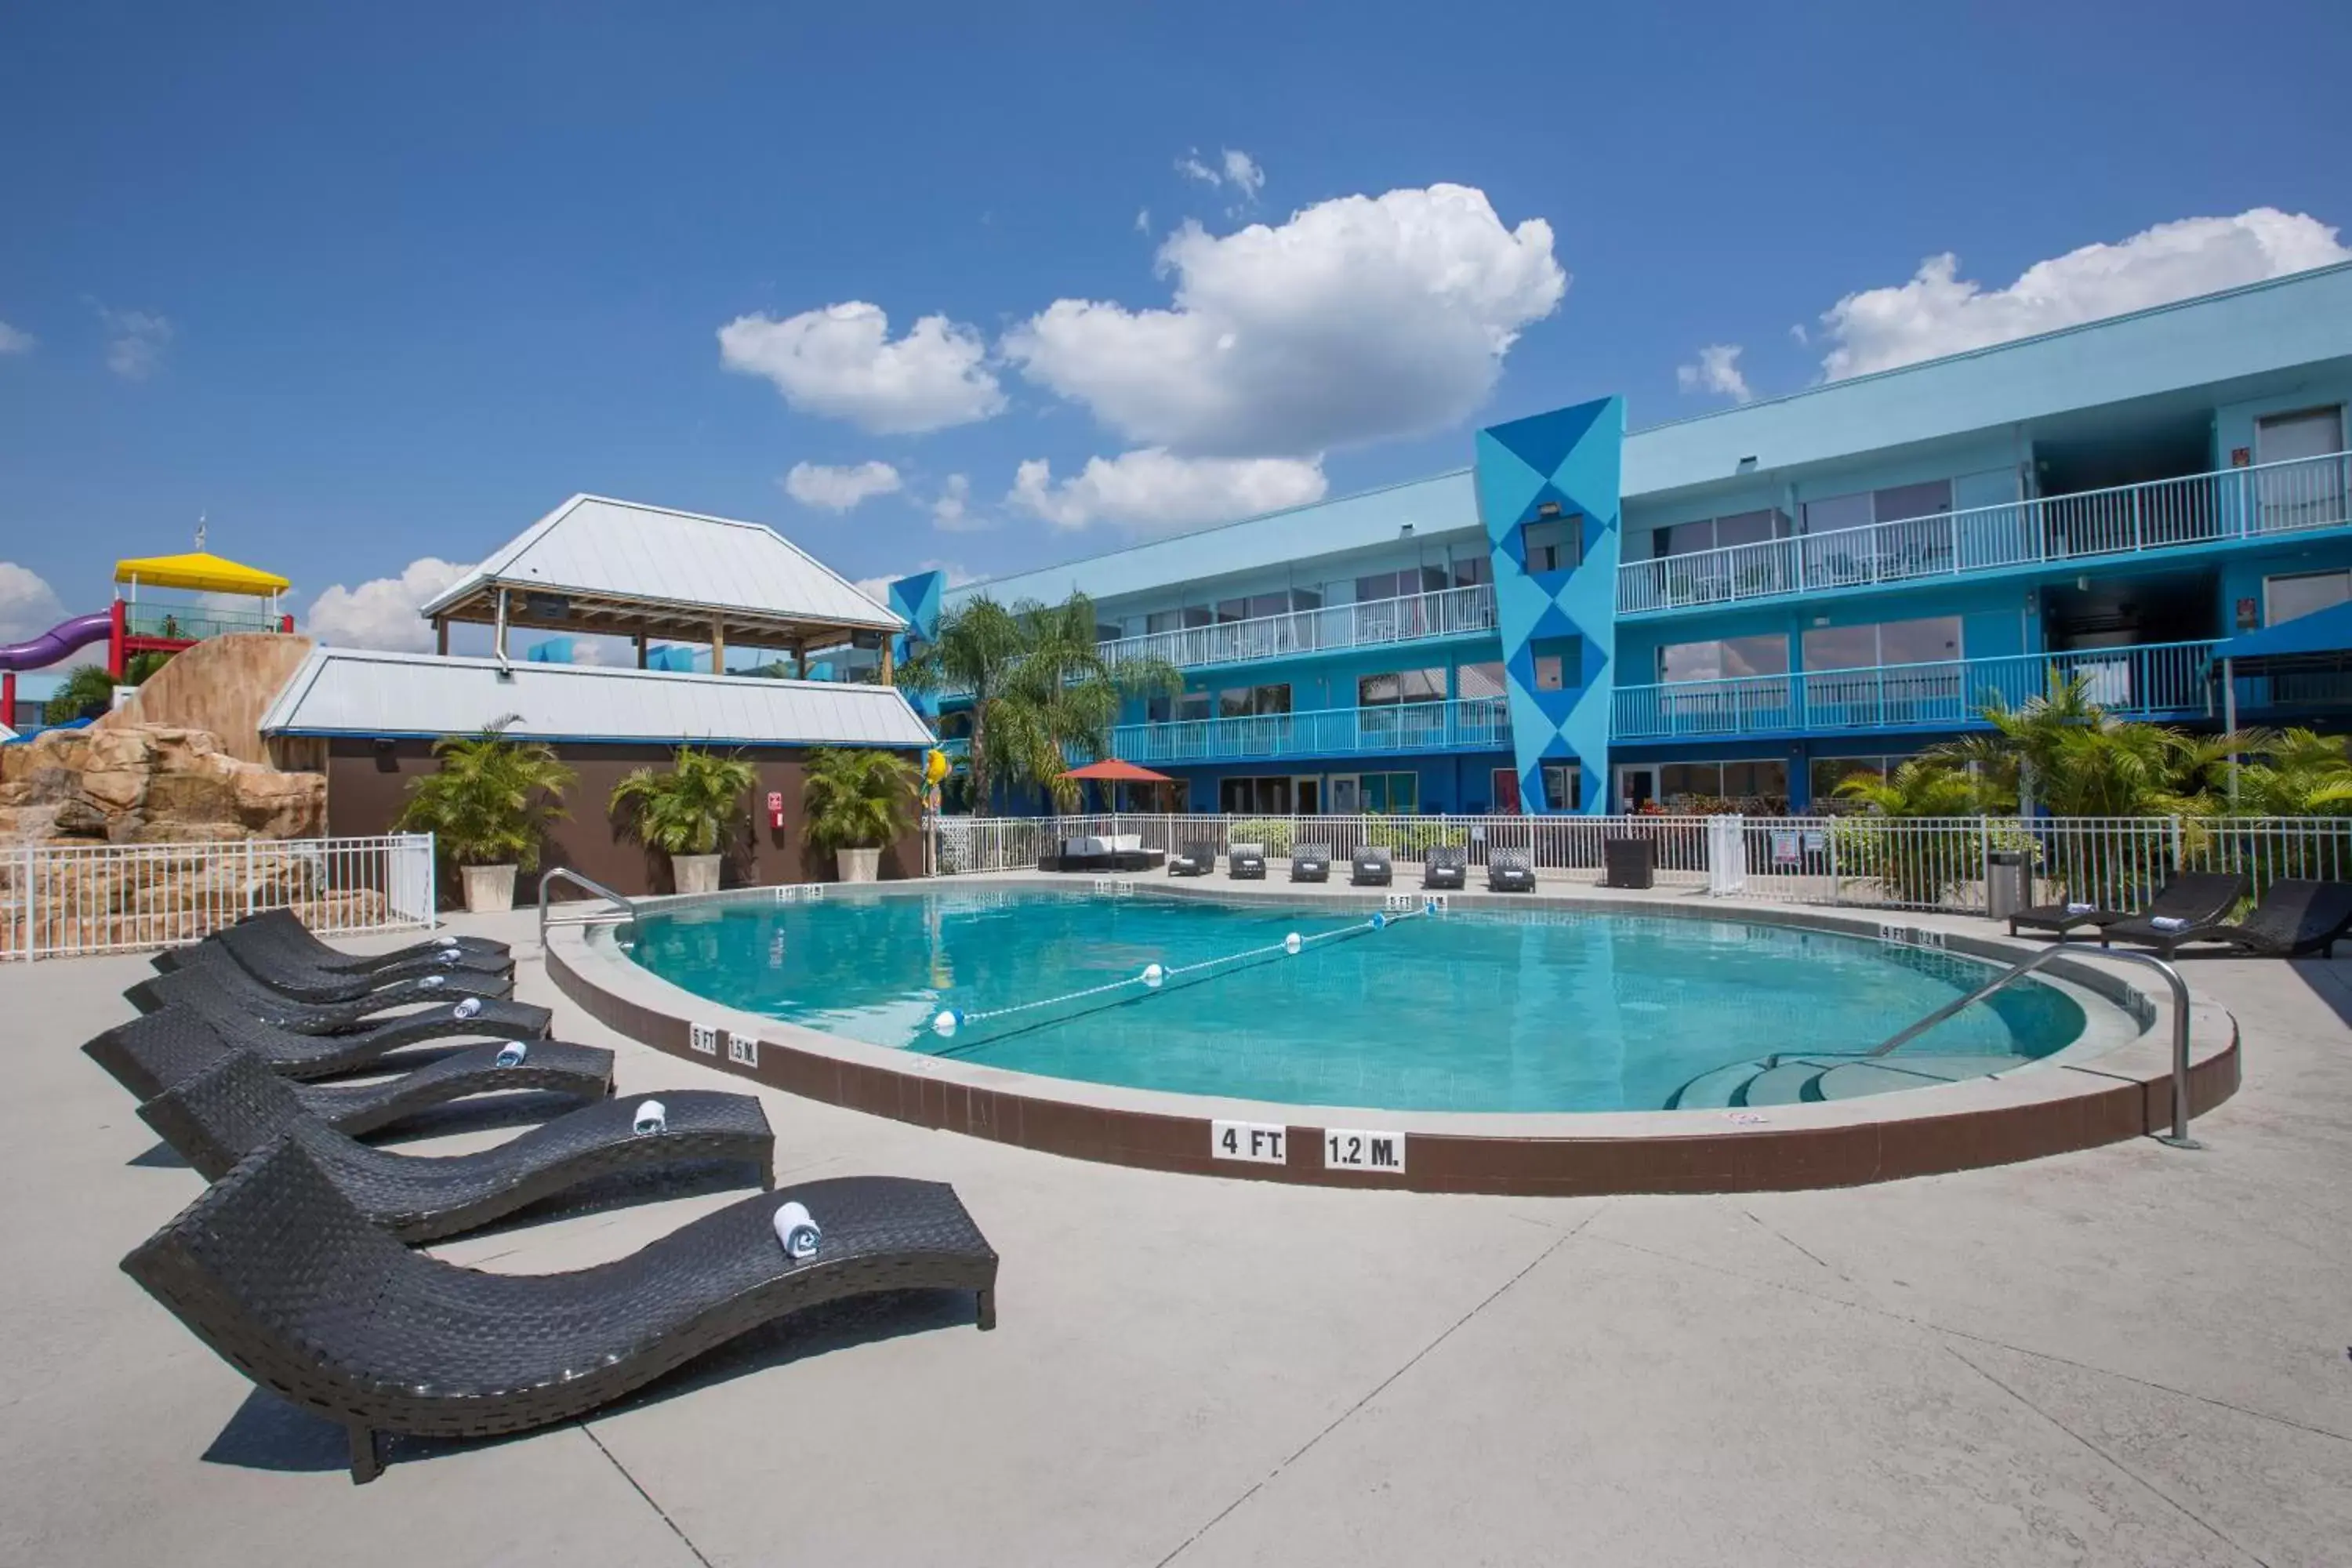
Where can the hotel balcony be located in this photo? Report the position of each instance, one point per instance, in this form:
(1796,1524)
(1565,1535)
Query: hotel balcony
(1418,617)
(1473,725)
(2160,681)
(2159,515)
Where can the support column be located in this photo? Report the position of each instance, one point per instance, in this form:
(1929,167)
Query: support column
(717,644)
(887,640)
(441,636)
(498,632)
(641,650)
(2229,718)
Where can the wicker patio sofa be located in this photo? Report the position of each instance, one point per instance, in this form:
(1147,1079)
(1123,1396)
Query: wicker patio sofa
(1509,872)
(278,1271)
(1245,863)
(1197,860)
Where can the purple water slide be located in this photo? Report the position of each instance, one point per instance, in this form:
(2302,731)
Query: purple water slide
(60,640)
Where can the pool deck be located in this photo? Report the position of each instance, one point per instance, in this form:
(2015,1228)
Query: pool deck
(2130,1355)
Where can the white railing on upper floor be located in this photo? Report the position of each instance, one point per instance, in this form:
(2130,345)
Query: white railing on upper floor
(2160,514)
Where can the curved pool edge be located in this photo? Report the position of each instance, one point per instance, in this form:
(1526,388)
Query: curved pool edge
(2052,1107)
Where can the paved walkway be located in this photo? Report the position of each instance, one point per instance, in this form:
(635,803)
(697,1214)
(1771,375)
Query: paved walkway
(2133,1356)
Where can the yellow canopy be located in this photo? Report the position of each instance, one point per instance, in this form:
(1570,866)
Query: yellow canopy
(200,572)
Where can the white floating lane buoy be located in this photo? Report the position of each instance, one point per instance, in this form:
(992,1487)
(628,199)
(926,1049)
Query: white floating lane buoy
(1153,974)
(1293,942)
(945,1023)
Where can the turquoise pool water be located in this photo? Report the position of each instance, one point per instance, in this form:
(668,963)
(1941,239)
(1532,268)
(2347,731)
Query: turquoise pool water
(1525,1010)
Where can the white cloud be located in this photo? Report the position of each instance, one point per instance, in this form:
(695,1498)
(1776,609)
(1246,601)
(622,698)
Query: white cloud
(1359,319)
(952,512)
(135,341)
(1718,371)
(839,489)
(1143,220)
(29,606)
(1154,492)
(1939,313)
(839,361)
(16,340)
(1233,170)
(382,613)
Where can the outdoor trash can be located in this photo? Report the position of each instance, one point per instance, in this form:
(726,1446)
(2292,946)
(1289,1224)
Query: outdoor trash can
(1629,862)
(2006,888)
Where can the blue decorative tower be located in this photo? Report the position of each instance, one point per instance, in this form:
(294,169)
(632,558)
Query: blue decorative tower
(1547,493)
(918,599)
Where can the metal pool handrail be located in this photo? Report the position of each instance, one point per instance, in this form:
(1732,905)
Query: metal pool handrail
(2178,1138)
(586,884)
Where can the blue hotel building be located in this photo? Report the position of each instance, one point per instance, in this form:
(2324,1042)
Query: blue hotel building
(1750,603)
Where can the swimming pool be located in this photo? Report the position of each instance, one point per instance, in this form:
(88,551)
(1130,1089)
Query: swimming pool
(1472,1010)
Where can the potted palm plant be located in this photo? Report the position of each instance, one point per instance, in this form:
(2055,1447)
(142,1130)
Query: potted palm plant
(684,812)
(857,803)
(488,805)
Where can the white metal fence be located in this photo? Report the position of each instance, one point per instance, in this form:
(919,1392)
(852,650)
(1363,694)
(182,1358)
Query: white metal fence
(1923,863)
(65,900)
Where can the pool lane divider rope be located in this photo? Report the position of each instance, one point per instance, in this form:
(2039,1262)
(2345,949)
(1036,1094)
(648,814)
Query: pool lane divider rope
(1152,976)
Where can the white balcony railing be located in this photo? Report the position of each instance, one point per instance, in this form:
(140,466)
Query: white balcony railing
(1478,723)
(2161,514)
(1449,612)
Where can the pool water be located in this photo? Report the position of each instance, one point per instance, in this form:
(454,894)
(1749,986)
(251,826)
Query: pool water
(1475,1011)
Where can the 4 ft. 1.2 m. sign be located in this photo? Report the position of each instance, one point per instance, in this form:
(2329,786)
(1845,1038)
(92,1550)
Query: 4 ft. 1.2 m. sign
(1346,1150)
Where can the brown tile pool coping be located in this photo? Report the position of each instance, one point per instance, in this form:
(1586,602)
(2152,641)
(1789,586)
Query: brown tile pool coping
(2073,1100)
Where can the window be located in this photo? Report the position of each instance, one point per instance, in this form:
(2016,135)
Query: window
(1108,631)
(1476,680)
(1192,705)
(2311,433)
(1764,779)
(1827,772)
(1199,616)
(1470,569)
(1401,686)
(2290,598)
(1719,532)
(1249,701)
(1927,641)
(1402,584)
(1307,598)
(1558,662)
(1230,610)
(1164,621)
(1563,785)
(1391,795)
(1835,514)
(1553,543)
(1724,658)
(1253,796)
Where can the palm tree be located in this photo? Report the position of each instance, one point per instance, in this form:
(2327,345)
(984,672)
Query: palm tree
(2303,774)
(86,692)
(1925,786)
(856,799)
(1039,689)
(684,810)
(2073,756)
(491,799)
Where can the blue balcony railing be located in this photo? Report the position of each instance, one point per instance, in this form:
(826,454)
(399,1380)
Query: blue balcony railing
(2158,681)
(2130,519)
(1472,724)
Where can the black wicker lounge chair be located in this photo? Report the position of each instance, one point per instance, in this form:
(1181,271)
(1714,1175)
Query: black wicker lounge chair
(321,989)
(1370,868)
(286,926)
(230,982)
(1509,872)
(1445,865)
(149,1055)
(272,950)
(238,1105)
(1198,860)
(1310,863)
(282,1275)
(297,1055)
(2201,898)
(2293,918)
(1245,863)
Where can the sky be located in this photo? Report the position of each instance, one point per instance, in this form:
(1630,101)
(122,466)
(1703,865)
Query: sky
(371,289)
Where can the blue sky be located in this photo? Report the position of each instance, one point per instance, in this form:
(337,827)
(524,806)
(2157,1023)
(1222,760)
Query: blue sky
(372,285)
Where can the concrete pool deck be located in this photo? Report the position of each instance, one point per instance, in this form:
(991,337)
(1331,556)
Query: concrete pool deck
(2126,1355)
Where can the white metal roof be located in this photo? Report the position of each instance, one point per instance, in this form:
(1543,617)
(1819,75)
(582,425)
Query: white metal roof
(356,691)
(593,544)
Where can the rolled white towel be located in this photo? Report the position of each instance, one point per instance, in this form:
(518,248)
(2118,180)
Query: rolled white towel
(447,956)
(444,942)
(468,1008)
(798,1231)
(2080,908)
(512,1053)
(434,982)
(2168,922)
(652,1117)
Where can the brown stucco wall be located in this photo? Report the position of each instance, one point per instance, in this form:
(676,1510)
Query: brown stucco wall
(367,781)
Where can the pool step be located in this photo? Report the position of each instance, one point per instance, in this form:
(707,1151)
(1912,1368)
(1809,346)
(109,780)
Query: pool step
(1897,1072)
(1712,1090)
(1782,1084)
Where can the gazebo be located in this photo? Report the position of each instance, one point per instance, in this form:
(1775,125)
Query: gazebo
(600,567)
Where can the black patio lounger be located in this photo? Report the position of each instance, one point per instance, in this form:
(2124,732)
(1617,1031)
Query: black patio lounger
(2293,919)
(286,926)
(230,982)
(282,1275)
(1508,872)
(1245,863)
(270,950)
(1370,868)
(1198,860)
(1445,865)
(238,1105)
(1310,863)
(150,1054)
(297,1055)
(321,989)
(2201,898)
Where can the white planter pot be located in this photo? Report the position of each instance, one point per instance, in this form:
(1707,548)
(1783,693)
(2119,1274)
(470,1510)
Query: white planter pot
(859,864)
(490,889)
(696,873)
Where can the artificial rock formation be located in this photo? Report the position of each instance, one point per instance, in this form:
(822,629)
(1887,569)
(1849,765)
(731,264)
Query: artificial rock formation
(148,783)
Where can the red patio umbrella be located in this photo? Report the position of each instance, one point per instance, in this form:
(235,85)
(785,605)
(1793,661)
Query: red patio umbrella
(1114,772)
